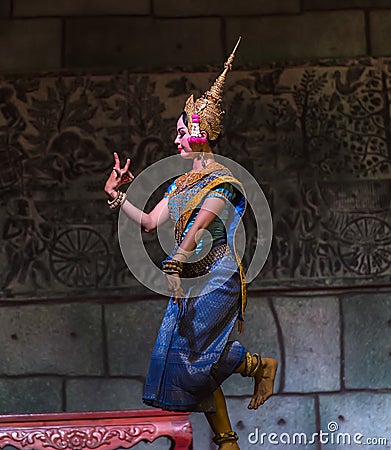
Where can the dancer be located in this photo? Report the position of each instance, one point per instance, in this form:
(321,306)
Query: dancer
(192,354)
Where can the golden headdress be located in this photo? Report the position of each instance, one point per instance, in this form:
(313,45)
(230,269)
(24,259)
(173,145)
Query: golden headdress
(208,107)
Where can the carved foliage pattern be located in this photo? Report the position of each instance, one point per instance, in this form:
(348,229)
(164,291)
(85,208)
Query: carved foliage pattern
(77,438)
(318,139)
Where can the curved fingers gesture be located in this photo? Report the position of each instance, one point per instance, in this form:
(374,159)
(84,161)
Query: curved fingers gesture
(124,176)
(118,176)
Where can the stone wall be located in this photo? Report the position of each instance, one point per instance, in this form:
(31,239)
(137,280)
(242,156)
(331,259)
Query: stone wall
(333,351)
(45,35)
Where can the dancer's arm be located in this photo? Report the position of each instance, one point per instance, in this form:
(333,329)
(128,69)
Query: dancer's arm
(210,209)
(150,221)
(118,177)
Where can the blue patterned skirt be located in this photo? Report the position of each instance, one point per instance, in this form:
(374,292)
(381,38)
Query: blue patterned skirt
(192,355)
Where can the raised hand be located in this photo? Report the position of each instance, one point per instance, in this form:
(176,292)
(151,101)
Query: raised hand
(118,176)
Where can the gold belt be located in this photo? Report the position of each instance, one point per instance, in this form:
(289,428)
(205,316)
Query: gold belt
(203,265)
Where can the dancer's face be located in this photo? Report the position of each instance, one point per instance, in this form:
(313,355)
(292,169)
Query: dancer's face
(181,141)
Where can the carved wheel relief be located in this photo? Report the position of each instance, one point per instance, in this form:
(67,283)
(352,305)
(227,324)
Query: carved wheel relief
(79,257)
(365,246)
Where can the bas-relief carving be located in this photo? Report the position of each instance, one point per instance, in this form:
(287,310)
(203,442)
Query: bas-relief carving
(318,139)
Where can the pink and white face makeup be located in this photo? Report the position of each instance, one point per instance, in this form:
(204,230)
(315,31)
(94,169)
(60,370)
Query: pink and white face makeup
(181,140)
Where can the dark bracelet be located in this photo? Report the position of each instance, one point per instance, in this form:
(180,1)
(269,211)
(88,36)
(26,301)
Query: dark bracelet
(173,266)
(117,201)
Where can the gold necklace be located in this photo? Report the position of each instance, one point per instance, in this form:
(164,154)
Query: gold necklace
(189,178)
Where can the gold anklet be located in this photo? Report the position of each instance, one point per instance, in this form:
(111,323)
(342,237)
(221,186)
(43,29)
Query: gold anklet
(251,368)
(220,438)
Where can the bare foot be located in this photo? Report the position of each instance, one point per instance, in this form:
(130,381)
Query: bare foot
(263,382)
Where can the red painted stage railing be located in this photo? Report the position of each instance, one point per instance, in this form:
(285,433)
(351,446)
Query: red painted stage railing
(106,430)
